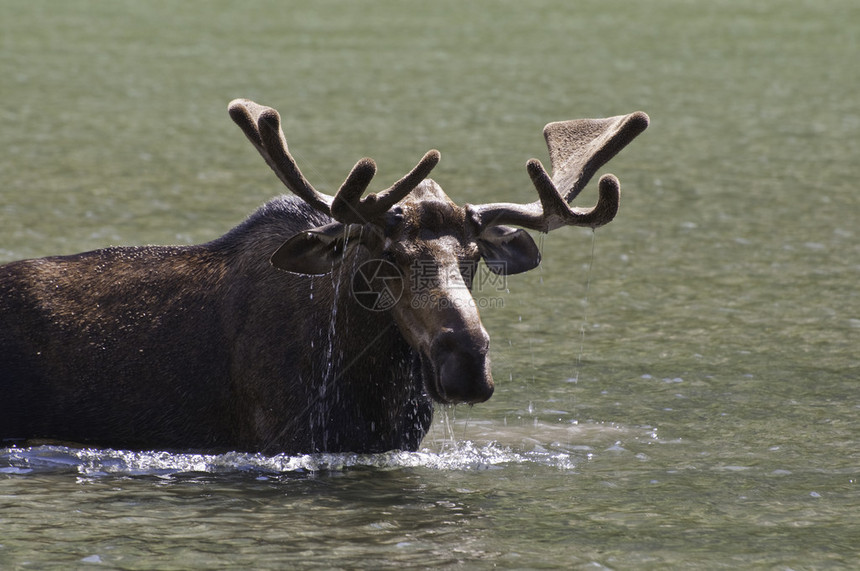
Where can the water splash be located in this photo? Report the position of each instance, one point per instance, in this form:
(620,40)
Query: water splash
(91,462)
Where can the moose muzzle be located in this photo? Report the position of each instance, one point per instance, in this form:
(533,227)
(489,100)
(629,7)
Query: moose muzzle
(459,367)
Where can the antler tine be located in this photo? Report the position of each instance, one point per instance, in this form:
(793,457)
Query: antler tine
(269,123)
(398,191)
(262,126)
(577,150)
(555,210)
(349,207)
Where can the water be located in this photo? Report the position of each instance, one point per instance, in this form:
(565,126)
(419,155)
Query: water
(707,417)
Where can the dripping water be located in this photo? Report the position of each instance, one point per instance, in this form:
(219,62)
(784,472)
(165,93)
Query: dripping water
(584,321)
(323,398)
(447,440)
(449,424)
(466,423)
(541,239)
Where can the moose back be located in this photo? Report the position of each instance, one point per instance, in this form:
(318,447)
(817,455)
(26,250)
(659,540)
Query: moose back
(297,331)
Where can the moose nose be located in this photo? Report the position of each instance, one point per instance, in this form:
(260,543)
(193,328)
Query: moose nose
(462,366)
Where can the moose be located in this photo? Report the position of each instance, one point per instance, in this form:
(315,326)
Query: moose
(259,340)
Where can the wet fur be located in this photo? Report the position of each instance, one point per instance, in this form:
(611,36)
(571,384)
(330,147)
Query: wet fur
(202,347)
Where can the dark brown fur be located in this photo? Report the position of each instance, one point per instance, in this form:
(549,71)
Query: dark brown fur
(205,347)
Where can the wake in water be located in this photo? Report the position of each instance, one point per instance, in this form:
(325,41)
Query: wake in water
(92,462)
(452,444)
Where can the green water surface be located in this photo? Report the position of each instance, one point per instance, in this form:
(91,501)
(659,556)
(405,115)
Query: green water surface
(694,364)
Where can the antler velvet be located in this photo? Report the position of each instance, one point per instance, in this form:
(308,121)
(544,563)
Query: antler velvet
(348,209)
(577,150)
(262,126)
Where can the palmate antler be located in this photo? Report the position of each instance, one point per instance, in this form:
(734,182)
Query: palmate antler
(262,126)
(577,150)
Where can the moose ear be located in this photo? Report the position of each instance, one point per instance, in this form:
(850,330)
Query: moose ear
(316,251)
(508,250)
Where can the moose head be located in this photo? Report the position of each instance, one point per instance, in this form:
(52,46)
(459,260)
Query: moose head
(413,224)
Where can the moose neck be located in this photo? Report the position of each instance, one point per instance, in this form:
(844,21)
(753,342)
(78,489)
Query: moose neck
(327,374)
(366,393)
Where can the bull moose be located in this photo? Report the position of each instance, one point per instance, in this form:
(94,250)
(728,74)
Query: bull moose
(257,340)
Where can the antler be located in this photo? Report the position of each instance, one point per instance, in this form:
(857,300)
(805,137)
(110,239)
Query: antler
(262,126)
(347,207)
(577,150)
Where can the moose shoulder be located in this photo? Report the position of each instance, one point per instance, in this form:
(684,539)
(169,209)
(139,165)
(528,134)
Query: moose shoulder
(299,330)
